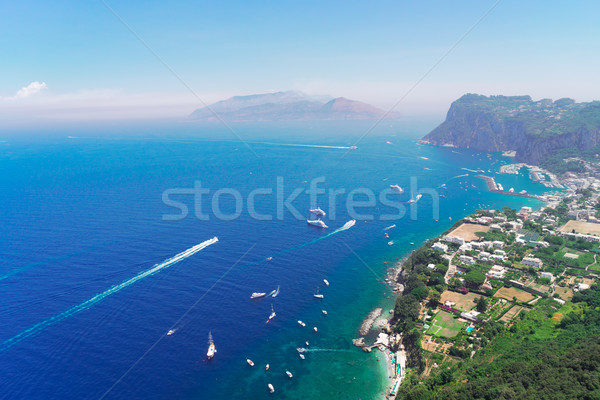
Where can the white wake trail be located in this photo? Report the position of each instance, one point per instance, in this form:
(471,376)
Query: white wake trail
(35,329)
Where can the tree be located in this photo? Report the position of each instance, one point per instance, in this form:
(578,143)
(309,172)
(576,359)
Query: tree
(481,304)
(474,278)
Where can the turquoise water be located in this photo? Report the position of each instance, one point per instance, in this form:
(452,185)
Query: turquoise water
(83,224)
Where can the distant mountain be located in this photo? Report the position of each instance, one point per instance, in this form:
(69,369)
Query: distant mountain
(536,130)
(288,106)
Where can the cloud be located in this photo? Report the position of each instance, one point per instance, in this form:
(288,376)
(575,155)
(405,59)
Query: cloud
(31,89)
(28,91)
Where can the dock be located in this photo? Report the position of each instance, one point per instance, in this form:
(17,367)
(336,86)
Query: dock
(491,183)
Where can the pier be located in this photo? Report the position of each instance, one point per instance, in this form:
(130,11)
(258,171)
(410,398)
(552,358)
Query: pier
(491,183)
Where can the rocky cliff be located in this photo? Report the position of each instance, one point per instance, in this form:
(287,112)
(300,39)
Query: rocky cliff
(534,129)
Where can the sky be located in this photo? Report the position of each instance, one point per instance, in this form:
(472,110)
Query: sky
(95,59)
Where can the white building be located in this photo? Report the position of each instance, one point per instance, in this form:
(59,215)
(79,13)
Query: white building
(547,275)
(500,252)
(497,257)
(454,239)
(496,272)
(440,246)
(466,259)
(532,262)
(498,244)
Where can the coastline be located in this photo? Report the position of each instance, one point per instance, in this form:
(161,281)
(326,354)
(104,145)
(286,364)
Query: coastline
(394,280)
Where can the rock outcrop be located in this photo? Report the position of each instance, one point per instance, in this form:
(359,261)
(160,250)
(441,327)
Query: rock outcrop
(534,129)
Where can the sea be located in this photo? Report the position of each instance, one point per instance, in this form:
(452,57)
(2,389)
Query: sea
(107,243)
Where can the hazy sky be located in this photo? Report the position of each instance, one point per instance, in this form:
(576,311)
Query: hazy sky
(76,59)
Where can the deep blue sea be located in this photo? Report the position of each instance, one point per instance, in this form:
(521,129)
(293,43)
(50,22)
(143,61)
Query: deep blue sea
(83,216)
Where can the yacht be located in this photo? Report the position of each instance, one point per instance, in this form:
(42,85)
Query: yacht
(317,222)
(257,295)
(301,323)
(326,282)
(324,312)
(318,212)
(396,188)
(307,343)
(412,201)
(302,356)
(267,367)
(271,388)
(250,362)
(288,373)
(171,331)
(315,329)
(318,295)
(211,347)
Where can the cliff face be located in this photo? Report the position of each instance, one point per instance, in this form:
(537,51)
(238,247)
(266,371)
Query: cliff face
(534,129)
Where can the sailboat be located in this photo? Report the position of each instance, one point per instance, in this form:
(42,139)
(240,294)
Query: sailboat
(211,347)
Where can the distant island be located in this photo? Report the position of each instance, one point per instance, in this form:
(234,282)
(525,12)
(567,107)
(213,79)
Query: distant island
(543,132)
(288,106)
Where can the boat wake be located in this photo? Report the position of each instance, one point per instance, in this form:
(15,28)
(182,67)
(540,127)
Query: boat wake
(470,170)
(37,328)
(313,350)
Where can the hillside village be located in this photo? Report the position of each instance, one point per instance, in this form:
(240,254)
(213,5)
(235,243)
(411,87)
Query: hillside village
(491,271)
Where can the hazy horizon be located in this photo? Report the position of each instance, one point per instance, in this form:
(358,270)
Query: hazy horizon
(105,61)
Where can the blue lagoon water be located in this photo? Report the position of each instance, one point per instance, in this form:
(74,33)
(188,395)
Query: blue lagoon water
(82,215)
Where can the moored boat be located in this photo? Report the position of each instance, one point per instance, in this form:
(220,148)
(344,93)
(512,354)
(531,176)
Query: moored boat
(250,362)
(257,295)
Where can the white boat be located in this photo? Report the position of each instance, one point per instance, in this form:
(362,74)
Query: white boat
(300,349)
(276,292)
(211,347)
(288,373)
(307,343)
(267,367)
(315,329)
(302,356)
(301,323)
(396,188)
(318,212)
(257,295)
(317,222)
(326,282)
(171,331)
(391,242)
(271,388)
(250,362)
(324,312)
(272,314)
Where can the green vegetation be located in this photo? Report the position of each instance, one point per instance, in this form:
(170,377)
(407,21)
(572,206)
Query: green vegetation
(541,356)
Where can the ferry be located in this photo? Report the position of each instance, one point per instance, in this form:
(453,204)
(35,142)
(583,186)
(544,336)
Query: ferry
(271,388)
(318,212)
(317,222)
(257,295)
(288,373)
(211,347)
(326,282)
(250,362)
(396,188)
